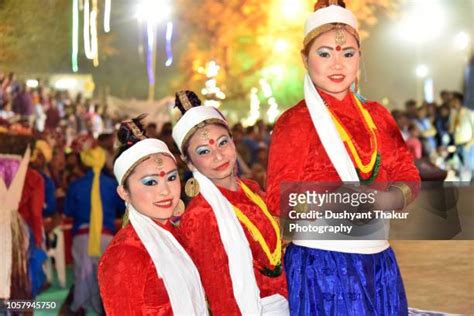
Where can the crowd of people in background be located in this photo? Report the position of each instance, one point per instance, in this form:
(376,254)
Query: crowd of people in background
(441,135)
(64,128)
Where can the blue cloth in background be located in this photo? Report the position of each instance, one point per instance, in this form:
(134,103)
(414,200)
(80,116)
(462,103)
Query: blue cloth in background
(324,282)
(49,196)
(78,201)
(36,258)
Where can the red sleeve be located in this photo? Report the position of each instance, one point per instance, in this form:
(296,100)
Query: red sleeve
(123,277)
(32,202)
(37,204)
(121,287)
(286,158)
(200,237)
(400,162)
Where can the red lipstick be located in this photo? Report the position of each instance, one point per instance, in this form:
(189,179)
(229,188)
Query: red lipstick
(223,166)
(164,203)
(337,78)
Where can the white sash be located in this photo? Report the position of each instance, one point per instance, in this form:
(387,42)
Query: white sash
(237,248)
(244,284)
(173,265)
(340,159)
(328,133)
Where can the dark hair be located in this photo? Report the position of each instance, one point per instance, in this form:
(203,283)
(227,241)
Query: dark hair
(191,96)
(250,129)
(326,3)
(104,137)
(166,129)
(151,125)
(130,132)
(458,96)
(410,103)
(444,92)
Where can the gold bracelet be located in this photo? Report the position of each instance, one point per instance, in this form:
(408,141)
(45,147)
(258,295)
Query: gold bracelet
(406,191)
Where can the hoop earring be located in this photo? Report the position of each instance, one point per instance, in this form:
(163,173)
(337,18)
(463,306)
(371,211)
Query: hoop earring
(179,209)
(191,188)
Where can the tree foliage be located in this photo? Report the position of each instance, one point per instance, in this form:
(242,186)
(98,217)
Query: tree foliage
(254,39)
(35,36)
(249,39)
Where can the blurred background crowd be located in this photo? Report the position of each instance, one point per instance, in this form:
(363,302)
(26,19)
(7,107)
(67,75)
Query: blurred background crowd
(59,128)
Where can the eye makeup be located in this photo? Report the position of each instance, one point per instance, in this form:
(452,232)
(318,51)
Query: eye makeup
(149,181)
(324,52)
(153,179)
(223,140)
(349,52)
(172,175)
(202,150)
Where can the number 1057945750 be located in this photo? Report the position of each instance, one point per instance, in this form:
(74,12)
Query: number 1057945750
(26,305)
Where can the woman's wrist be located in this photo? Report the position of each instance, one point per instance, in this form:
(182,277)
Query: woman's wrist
(401,194)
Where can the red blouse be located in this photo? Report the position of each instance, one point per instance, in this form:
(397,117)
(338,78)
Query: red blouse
(297,154)
(199,235)
(128,281)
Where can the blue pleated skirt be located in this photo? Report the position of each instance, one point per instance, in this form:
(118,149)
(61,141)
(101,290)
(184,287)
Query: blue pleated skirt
(322,282)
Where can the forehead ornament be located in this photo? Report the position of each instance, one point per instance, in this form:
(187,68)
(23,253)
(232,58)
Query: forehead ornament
(205,135)
(158,160)
(340,36)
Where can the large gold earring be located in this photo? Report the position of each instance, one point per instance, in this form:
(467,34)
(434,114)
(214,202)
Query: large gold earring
(191,188)
(179,209)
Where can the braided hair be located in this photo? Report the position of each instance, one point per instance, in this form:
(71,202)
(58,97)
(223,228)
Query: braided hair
(130,132)
(186,99)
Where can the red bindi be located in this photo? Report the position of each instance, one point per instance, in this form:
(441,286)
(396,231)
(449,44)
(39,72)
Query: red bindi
(338,48)
(211,142)
(162,174)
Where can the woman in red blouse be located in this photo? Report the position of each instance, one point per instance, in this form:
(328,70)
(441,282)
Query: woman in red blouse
(336,136)
(145,271)
(227,229)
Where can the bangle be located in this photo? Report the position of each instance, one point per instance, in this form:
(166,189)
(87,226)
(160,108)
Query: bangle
(406,191)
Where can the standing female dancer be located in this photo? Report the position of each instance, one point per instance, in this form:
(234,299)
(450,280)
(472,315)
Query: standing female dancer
(145,271)
(347,139)
(227,229)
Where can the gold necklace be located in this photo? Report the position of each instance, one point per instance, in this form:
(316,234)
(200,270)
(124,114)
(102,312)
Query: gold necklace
(365,168)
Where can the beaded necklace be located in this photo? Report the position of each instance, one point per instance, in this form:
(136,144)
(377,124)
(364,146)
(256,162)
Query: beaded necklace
(374,163)
(273,257)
